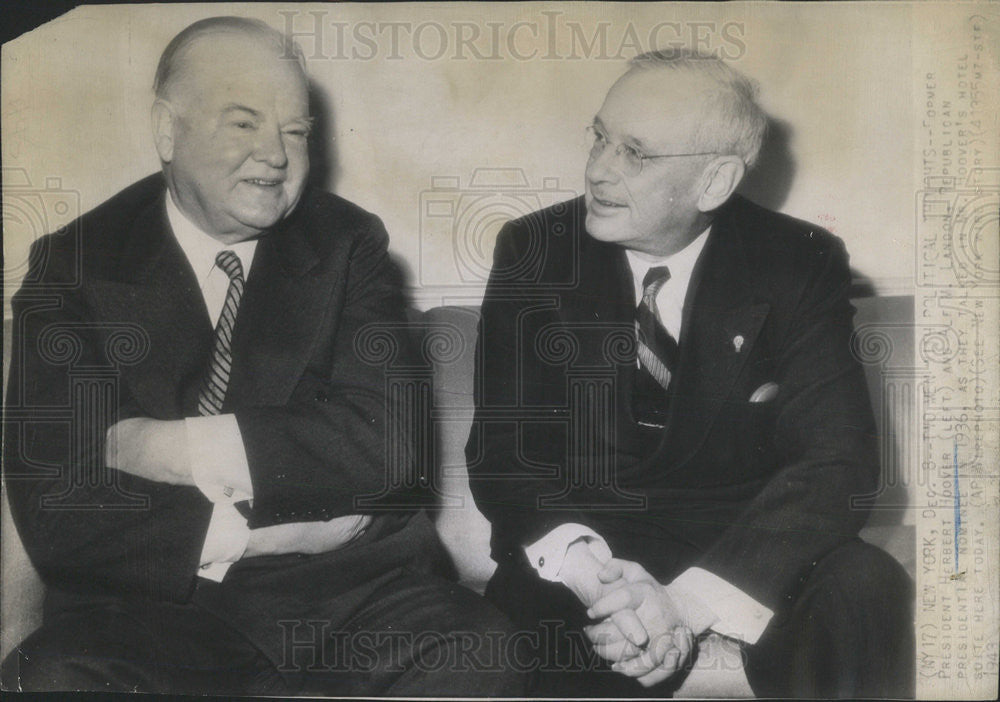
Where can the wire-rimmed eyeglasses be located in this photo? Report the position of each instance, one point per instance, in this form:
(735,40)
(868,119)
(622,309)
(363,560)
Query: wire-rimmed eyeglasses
(628,157)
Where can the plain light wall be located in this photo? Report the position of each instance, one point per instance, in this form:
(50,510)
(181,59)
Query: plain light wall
(412,113)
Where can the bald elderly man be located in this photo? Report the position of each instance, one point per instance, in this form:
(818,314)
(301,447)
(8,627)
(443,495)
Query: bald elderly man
(203,533)
(671,425)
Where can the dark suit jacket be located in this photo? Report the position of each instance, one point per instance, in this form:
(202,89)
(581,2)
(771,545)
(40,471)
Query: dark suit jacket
(113,297)
(754,493)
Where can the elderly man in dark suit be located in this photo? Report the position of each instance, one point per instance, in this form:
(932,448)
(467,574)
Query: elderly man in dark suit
(670,422)
(217,520)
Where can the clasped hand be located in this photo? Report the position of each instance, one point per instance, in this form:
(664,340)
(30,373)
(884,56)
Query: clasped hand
(640,629)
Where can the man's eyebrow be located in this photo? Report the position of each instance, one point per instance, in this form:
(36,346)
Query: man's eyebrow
(635,142)
(235,107)
(630,140)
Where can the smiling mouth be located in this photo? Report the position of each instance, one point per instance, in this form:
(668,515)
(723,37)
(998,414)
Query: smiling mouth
(606,203)
(262,182)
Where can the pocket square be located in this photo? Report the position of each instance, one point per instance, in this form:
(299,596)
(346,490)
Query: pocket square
(765,393)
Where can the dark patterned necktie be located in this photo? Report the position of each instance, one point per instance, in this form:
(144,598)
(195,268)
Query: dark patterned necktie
(657,352)
(213,391)
(657,349)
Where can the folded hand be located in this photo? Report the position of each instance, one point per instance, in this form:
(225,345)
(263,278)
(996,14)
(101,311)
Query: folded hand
(154,449)
(306,537)
(642,630)
(580,574)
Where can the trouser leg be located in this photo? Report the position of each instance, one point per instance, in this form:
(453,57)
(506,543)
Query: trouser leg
(417,635)
(848,632)
(144,647)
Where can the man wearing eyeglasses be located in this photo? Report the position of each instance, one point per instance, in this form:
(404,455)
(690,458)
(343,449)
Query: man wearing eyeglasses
(670,423)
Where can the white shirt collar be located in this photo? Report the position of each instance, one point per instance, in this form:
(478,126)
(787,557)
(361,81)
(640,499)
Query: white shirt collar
(201,248)
(681,265)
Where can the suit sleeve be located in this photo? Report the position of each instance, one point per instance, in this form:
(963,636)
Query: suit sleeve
(85,526)
(825,443)
(505,363)
(312,458)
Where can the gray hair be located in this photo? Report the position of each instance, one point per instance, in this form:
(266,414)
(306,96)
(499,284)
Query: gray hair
(734,121)
(171,61)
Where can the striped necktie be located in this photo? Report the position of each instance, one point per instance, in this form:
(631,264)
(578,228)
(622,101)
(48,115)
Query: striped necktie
(657,350)
(213,391)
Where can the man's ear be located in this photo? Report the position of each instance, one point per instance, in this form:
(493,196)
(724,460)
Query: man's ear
(164,122)
(722,177)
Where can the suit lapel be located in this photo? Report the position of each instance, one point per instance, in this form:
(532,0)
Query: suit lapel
(721,321)
(154,288)
(282,311)
(605,293)
(721,313)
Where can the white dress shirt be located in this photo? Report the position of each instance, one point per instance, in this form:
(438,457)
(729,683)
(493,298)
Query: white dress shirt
(218,459)
(737,614)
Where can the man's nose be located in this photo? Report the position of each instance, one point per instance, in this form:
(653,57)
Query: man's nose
(603,167)
(270,149)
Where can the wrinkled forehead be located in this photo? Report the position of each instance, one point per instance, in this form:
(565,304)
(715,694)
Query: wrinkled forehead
(228,65)
(656,107)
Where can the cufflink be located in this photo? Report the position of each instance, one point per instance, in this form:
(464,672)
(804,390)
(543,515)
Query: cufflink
(227,491)
(738,342)
(541,561)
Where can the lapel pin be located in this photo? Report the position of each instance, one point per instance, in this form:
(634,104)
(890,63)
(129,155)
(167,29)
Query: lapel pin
(738,342)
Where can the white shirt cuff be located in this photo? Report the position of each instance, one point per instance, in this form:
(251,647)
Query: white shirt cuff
(214,571)
(219,464)
(548,553)
(739,615)
(225,541)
